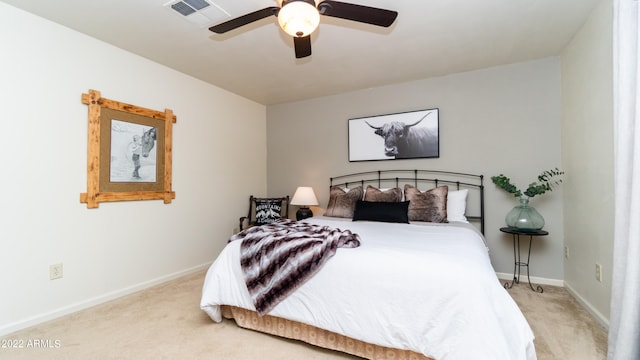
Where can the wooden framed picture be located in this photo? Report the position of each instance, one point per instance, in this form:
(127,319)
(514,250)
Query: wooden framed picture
(407,135)
(129,152)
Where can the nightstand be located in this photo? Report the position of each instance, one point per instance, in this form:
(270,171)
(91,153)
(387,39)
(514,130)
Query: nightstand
(518,264)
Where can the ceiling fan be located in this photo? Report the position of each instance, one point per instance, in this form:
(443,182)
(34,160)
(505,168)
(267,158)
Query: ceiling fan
(299,18)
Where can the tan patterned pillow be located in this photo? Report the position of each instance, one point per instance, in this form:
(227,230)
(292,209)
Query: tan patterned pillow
(390,195)
(343,203)
(430,206)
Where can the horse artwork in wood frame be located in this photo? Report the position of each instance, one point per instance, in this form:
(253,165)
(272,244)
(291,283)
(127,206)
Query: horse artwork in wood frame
(129,153)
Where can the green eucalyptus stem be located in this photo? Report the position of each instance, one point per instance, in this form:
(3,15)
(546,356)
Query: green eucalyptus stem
(547,180)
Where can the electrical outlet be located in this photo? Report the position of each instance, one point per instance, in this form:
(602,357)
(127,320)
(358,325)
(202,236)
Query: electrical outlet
(598,272)
(234,231)
(55,271)
(566,252)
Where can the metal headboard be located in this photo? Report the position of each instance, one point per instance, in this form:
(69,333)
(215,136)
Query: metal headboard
(421,179)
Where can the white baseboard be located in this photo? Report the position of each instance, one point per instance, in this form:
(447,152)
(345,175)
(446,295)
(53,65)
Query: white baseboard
(534,279)
(40,318)
(592,310)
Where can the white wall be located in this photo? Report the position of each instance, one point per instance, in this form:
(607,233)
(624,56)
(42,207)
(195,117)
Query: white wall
(499,120)
(587,147)
(119,247)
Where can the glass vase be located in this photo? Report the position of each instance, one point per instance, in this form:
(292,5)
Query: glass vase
(524,217)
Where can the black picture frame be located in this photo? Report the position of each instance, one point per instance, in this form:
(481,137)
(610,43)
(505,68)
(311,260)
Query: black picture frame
(406,135)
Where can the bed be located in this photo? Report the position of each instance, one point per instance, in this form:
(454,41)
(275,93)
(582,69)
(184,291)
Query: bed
(411,290)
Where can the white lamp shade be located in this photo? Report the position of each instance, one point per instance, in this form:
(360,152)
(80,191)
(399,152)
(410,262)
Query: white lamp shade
(304,196)
(298,18)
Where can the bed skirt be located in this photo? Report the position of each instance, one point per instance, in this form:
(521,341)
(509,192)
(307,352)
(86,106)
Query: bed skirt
(326,339)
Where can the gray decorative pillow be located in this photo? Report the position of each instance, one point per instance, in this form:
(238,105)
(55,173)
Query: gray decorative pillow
(430,206)
(343,203)
(377,195)
(267,211)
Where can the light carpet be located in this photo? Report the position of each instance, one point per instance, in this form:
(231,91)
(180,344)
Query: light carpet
(165,322)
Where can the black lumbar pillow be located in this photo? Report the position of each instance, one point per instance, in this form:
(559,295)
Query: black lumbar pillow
(382,211)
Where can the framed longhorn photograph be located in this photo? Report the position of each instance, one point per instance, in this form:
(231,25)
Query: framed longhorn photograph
(129,152)
(408,135)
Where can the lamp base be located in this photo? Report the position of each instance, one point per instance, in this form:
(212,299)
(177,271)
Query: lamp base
(303,213)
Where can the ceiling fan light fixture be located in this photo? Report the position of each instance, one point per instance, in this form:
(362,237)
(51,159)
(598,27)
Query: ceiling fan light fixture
(299,18)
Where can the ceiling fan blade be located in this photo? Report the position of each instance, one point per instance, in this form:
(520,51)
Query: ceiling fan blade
(360,13)
(244,20)
(302,46)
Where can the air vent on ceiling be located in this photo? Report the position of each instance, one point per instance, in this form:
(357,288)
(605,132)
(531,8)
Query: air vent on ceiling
(199,12)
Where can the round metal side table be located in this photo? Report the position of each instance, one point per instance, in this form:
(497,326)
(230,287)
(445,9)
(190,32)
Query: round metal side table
(518,263)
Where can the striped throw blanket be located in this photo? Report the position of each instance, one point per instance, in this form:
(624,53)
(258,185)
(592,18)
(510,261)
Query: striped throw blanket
(277,258)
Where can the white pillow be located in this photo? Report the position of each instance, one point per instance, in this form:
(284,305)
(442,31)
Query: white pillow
(457,205)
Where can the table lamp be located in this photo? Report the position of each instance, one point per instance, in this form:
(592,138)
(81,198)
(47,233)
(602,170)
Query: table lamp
(304,197)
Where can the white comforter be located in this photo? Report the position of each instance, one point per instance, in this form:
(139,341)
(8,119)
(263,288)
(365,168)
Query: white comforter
(429,288)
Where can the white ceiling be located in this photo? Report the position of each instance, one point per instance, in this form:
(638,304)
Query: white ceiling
(429,38)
